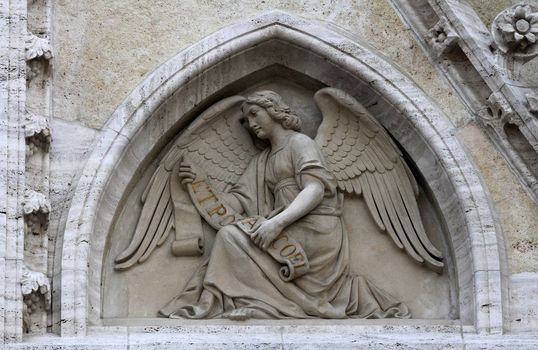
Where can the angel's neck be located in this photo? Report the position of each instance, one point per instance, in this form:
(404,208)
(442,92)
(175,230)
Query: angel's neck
(279,136)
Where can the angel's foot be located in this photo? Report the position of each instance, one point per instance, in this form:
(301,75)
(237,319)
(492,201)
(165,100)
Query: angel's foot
(241,314)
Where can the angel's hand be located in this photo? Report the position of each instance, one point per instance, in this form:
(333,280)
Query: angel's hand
(186,172)
(265,233)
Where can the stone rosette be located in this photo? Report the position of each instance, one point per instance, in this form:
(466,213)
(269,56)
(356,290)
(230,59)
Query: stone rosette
(515,31)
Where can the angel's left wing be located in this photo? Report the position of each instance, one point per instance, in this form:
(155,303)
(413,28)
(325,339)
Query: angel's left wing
(220,146)
(366,162)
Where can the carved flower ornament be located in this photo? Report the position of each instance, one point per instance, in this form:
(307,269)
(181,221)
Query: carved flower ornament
(517,27)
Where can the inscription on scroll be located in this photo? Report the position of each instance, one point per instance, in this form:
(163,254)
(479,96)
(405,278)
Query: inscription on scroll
(217,213)
(211,207)
(283,249)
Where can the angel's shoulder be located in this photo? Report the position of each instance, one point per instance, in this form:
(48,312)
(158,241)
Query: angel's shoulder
(301,141)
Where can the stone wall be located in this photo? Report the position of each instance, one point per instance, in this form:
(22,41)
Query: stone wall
(103,50)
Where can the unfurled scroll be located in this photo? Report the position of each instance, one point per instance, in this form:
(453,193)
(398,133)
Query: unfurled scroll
(189,240)
(283,249)
(217,213)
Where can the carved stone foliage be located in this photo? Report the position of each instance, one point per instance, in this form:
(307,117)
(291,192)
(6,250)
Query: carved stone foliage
(38,52)
(35,288)
(37,47)
(442,37)
(37,134)
(515,30)
(36,208)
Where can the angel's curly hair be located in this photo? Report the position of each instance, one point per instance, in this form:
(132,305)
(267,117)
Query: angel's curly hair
(275,107)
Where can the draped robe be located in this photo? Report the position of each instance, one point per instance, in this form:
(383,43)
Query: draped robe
(238,274)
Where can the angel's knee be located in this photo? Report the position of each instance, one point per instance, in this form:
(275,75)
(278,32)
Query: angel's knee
(230,234)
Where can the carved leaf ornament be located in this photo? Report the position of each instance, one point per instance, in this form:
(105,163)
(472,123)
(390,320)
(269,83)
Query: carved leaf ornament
(357,149)
(35,288)
(37,133)
(37,47)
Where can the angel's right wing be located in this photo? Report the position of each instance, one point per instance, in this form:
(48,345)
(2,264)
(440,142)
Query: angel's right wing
(219,145)
(366,162)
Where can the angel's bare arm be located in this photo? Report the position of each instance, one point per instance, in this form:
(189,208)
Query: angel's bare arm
(308,199)
(304,203)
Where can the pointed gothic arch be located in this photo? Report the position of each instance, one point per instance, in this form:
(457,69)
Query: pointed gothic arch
(137,131)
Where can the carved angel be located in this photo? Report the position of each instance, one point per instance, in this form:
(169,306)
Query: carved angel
(281,250)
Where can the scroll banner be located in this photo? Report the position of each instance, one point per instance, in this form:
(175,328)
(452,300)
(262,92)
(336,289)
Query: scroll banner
(217,213)
(283,249)
(189,240)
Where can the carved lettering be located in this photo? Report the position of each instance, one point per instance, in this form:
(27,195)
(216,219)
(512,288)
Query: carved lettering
(298,259)
(219,210)
(196,184)
(212,195)
(283,252)
(227,220)
(281,237)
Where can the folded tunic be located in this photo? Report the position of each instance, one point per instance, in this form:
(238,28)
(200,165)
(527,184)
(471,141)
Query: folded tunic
(238,274)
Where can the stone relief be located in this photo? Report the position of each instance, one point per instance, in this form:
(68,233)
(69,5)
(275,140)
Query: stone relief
(36,208)
(484,65)
(38,52)
(498,112)
(275,197)
(35,287)
(37,47)
(514,33)
(37,134)
(442,37)
(515,29)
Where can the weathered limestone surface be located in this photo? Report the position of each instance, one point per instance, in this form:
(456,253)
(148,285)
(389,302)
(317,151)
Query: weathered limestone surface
(12,165)
(487,10)
(518,215)
(105,48)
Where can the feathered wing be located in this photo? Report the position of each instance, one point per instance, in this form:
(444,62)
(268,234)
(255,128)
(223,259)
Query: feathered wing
(365,161)
(219,145)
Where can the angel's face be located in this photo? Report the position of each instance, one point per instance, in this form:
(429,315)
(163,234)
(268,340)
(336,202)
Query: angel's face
(260,121)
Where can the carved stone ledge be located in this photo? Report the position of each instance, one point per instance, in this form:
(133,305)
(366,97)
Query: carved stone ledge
(37,134)
(442,37)
(36,208)
(35,287)
(38,48)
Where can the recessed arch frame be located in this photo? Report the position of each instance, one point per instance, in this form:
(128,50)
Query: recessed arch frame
(139,128)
